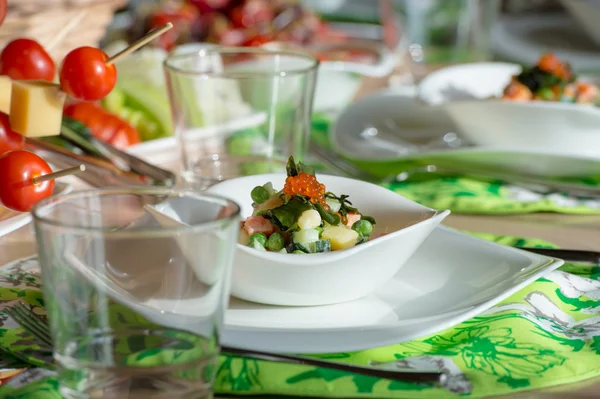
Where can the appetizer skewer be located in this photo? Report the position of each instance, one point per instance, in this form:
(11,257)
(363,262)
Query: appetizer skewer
(26,179)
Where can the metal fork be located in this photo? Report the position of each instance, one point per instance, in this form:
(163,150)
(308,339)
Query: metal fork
(38,328)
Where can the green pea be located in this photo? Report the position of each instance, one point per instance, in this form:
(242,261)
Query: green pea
(364,228)
(546,94)
(275,243)
(297,251)
(259,194)
(257,238)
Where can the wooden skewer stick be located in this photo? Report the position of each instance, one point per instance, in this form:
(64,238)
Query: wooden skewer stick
(139,43)
(60,173)
(65,30)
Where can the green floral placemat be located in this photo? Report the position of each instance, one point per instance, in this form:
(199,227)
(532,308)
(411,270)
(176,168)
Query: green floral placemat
(545,335)
(458,194)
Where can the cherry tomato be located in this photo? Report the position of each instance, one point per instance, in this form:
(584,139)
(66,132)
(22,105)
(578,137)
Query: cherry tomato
(26,59)
(17,190)
(86,76)
(3,9)
(9,139)
(258,41)
(104,125)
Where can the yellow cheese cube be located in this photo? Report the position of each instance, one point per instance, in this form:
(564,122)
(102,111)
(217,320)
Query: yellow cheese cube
(340,237)
(36,108)
(5,94)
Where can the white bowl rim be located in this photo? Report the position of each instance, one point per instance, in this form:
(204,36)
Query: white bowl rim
(530,104)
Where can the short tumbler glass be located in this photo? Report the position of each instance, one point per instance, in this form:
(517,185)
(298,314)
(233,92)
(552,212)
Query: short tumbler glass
(136,282)
(240,102)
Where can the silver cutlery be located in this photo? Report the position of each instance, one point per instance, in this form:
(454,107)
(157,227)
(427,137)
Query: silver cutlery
(568,255)
(38,328)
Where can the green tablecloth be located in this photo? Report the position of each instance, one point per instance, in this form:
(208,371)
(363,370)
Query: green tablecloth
(545,335)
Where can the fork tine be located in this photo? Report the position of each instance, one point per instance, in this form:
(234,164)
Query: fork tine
(36,318)
(22,315)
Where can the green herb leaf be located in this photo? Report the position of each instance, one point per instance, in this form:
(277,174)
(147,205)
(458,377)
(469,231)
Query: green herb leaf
(330,218)
(291,167)
(287,214)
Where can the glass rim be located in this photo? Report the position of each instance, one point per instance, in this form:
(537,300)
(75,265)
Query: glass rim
(40,219)
(314,62)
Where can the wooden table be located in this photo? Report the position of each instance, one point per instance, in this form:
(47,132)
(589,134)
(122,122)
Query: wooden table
(567,231)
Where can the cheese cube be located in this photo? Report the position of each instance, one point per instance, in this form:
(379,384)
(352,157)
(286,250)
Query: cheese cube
(5,94)
(36,108)
(340,237)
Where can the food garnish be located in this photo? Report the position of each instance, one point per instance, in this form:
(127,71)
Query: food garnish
(550,80)
(303,217)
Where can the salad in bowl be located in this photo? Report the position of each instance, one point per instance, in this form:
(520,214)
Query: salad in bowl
(545,108)
(309,239)
(302,217)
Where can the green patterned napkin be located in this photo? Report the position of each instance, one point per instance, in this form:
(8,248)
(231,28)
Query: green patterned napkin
(545,335)
(458,194)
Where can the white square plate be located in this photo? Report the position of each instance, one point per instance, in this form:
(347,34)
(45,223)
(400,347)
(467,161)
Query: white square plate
(451,278)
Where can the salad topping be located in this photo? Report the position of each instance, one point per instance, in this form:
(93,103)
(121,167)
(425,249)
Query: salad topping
(550,80)
(303,217)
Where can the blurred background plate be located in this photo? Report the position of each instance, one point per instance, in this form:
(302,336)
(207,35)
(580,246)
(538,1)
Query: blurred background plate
(389,132)
(521,38)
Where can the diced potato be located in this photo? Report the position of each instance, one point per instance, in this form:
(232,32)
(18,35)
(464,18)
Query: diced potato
(5,94)
(36,108)
(243,237)
(340,237)
(309,219)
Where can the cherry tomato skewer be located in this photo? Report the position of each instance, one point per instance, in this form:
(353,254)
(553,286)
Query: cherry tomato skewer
(88,74)
(26,179)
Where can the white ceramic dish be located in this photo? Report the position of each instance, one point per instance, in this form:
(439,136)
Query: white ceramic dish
(451,277)
(587,13)
(521,38)
(334,277)
(414,119)
(464,92)
(11,221)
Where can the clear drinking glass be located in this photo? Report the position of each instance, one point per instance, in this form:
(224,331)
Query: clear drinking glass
(136,282)
(238,102)
(448,31)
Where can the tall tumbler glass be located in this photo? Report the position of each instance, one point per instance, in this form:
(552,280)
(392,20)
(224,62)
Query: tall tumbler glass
(136,284)
(230,105)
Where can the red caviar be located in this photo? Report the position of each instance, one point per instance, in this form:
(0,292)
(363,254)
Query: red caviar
(307,186)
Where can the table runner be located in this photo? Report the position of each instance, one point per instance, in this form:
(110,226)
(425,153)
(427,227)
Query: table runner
(547,334)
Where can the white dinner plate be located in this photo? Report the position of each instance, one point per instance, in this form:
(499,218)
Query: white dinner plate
(451,278)
(522,38)
(11,221)
(413,120)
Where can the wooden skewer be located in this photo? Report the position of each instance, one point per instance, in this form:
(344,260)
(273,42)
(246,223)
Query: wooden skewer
(65,30)
(60,173)
(139,43)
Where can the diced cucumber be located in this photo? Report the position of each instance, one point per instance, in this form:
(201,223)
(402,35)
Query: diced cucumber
(314,247)
(308,235)
(334,205)
(257,245)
